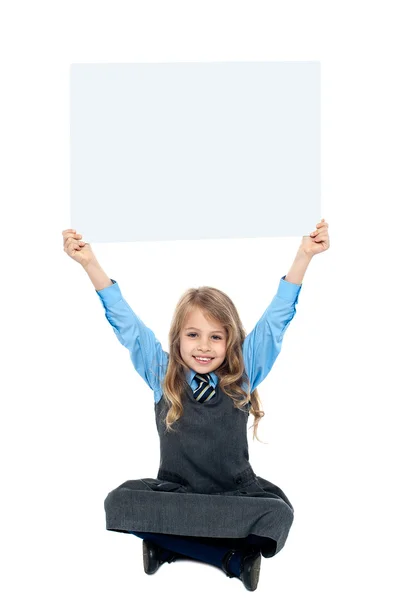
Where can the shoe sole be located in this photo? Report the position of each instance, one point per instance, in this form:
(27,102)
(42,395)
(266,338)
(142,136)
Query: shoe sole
(146,559)
(254,572)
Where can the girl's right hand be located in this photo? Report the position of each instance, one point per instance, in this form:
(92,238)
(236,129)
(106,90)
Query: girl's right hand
(76,248)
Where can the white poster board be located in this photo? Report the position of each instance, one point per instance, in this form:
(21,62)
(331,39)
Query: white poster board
(183,151)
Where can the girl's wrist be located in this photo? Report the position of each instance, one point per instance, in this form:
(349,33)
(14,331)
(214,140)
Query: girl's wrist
(304,255)
(298,268)
(93,263)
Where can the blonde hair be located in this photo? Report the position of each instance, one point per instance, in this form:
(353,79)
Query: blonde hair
(215,305)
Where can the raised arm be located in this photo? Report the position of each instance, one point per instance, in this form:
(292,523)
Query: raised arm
(262,346)
(146,353)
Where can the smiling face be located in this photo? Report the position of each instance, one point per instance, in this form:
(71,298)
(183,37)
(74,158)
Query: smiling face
(201,337)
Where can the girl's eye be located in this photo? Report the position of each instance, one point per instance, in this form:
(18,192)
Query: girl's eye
(216,336)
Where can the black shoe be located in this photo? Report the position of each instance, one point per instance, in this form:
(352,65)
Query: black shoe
(249,567)
(152,557)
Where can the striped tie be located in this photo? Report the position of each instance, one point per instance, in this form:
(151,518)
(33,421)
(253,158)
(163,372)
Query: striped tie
(205,390)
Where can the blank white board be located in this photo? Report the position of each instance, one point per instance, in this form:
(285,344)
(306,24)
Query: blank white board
(183,151)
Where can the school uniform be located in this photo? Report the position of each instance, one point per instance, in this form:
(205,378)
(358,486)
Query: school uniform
(205,485)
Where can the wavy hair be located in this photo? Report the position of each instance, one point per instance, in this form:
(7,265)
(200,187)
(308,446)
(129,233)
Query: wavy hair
(216,305)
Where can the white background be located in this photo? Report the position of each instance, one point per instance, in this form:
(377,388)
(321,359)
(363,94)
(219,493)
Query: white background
(76,418)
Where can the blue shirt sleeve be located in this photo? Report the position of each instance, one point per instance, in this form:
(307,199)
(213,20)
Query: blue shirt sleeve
(262,346)
(146,353)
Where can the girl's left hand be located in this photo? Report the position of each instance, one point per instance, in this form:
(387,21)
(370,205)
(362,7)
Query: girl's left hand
(318,241)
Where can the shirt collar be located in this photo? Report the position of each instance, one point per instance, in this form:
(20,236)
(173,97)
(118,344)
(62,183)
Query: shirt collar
(191,374)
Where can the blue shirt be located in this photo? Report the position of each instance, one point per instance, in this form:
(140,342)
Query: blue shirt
(260,347)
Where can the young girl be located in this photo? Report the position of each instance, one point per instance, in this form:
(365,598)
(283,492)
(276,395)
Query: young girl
(206,502)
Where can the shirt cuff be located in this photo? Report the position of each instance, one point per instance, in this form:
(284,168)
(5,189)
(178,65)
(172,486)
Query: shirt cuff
(110,295)
(288,290)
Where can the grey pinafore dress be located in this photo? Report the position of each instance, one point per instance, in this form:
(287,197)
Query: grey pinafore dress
(205,485)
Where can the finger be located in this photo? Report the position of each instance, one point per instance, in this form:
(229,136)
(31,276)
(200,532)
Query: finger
(73,245)
(322,230)
(79,246)
(320,238)
(70,233)
(69,245)
(72,236)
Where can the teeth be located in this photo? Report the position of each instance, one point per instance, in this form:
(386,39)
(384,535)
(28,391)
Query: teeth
(203,359)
